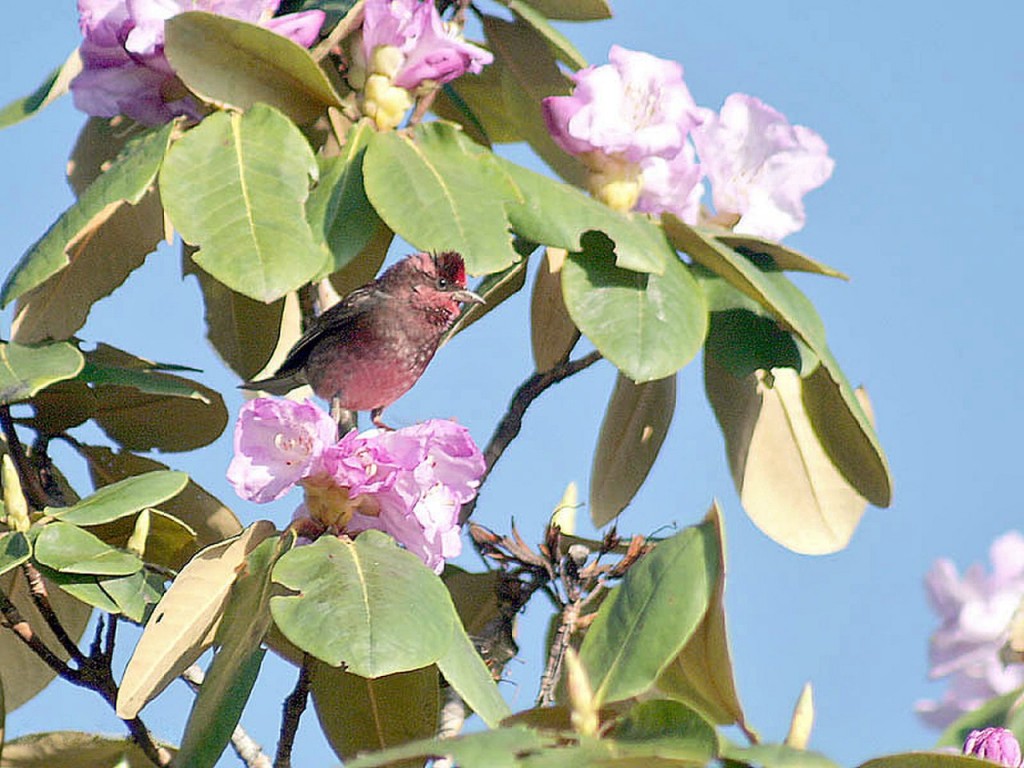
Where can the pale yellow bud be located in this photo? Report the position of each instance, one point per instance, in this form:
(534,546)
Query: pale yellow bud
(803,720)
(137,541)
(385,103)
(613,180)
(14,499)
(581,696)
(386,60)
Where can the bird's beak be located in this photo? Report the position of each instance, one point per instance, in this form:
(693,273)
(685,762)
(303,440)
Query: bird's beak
(468,297)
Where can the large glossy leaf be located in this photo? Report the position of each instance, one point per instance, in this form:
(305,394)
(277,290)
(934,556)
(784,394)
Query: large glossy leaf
(14,550)
(466,672)
(528,71)
(553,334)
(64,749)
(132,594)
(353,602)
(781,756)
(852,444)
(125,182)
(246,211)
(556,214)
(648,619)
(232,63)
(338,210)
(123,498)
(22,673)
(360,714)
(440,191)
(475,102)
(186,620)
(561,45)
(635,424)
(232,674)
(58,307)
(922,760)
(204,513)
(649,326)
(782,257)
(106,365)
(788,485)
(70,549)
(702,673)
(664,729)
(53,87)
(24,371)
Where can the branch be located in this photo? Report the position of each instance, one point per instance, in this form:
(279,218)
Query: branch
(294,706)
(13,620)
(553,668)
(30,483)
(245,746)
(41,598)
(512,422)
(351,20)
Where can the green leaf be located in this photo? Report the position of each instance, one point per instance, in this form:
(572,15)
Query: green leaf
(702,673)
(528,72)
(562,46)
(466,672)
(72,748)
(782,756)
(494,289)
(124,498)
(142,380)
(648,325)
(246,211)
(353,603)
(24,371)
(339,212)
(235,64)
(360,714)
(556,214)
(759,250)
(646,621)
(232,674)
(634,426)
(475,102)
(84,588)
(133,594)
(69,549)
(665,729)
(910,760)
(14,550)
(126,181)
(440,191)
(53,87)
(573,10)
(501,748)
(998,711)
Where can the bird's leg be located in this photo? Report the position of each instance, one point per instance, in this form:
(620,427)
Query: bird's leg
(375,418)
(346,420)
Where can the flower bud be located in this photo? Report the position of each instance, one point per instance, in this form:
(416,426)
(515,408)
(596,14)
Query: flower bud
(385,103)
(386,60)
(15,505)
(997,745)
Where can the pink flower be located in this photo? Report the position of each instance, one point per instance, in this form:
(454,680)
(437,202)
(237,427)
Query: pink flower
(410,483)
(429,51)
(997,745)
(975,612)
(672,186)
(637,106)
(759,165)
(124,67)
(277,443)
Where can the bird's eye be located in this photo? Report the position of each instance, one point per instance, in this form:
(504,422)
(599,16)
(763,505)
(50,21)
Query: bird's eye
(442,283)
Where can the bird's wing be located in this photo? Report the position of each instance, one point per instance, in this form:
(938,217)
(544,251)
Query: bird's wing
(334,320)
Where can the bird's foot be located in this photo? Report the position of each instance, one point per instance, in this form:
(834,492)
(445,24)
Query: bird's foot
(375,415)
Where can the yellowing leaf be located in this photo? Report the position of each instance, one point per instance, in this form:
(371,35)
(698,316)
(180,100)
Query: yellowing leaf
(553,334)
(186,619)
(788,485)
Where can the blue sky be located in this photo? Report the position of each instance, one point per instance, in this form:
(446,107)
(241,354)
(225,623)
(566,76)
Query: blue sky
(921,109)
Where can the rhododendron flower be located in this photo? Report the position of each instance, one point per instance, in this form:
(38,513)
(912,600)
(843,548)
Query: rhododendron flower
(405,46)
(975,612)
(759,165)
(409,483)
(672,186)
(998,745)
(124,68)
(277,443)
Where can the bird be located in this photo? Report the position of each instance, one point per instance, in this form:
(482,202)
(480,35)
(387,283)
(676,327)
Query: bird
(371,347)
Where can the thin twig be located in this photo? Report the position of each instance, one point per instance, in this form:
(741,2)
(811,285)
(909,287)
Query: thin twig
(512,422)
(342,29)
(41,598)
(245,746)
(31,486)
(294,706)
(13,620)
(556,654)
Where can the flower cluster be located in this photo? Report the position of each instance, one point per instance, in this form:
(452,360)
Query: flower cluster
(997,745)
(636,127)
(975,612)
(124,70)
(405,48)
(409,483)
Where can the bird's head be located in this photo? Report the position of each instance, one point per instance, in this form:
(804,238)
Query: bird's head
(440,276)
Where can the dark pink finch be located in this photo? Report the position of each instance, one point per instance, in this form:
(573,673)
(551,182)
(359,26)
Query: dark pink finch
(373,345)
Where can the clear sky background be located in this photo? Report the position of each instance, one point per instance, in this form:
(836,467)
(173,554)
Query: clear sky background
(921,106)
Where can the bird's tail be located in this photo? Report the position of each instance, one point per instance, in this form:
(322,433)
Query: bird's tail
(279,384)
